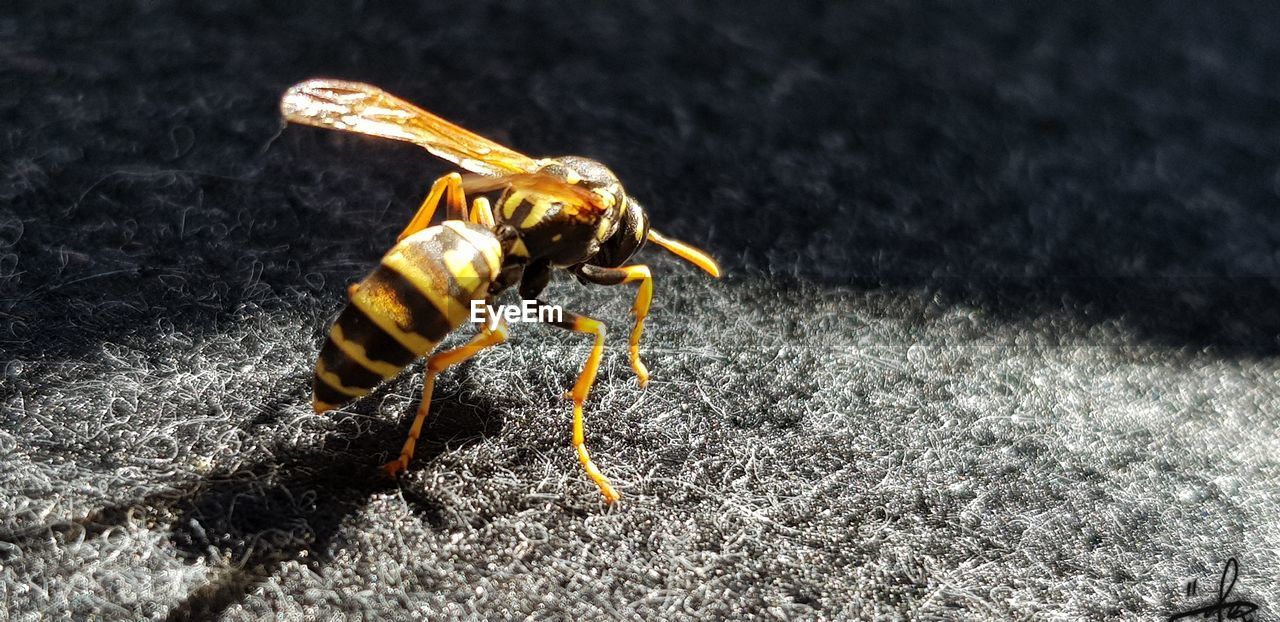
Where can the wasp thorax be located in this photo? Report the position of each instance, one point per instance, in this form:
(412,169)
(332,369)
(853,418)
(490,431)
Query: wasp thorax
(560,226)
(588,174)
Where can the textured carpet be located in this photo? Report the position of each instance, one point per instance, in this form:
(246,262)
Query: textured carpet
(998,337)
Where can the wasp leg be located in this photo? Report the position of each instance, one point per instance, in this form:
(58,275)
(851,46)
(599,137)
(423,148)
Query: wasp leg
(587,378)
(449,187)
(618,276)
(481,213)
(436,364)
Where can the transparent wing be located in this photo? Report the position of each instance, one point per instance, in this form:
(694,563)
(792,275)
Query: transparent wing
(367,109)
(535,183)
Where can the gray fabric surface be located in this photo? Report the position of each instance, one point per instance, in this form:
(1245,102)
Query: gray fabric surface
(997,338)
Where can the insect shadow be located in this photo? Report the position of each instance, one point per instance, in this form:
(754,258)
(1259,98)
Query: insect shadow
(290,507)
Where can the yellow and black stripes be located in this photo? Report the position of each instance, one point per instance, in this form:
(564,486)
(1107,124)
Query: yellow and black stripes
(527,210)
(549,225)
(341,377)
(420,293)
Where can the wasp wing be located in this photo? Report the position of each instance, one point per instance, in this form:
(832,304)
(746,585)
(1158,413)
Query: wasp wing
(367,109)
(537,183)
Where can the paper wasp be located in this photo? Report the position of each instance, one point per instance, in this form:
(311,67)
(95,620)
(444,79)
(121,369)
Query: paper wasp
(567,213)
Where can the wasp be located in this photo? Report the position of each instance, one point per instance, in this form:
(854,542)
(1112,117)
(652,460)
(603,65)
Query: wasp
(566,213)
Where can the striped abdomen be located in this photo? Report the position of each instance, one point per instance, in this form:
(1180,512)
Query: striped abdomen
(420,292)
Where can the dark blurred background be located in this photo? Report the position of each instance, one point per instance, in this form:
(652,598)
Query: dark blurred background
(1113,161)
(1085,174)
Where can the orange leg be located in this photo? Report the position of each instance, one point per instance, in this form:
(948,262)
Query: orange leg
(481,213)
(436,364)
(581,388)
(644,297)
(449,187)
